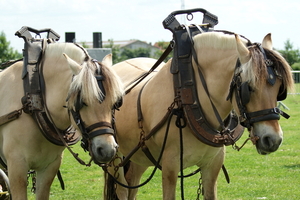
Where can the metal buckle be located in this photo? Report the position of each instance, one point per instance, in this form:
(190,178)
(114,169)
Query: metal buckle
(268,62)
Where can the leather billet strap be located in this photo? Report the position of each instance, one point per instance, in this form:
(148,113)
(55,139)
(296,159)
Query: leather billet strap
(10,116)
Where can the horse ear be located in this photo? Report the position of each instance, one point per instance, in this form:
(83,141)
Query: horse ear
(75,67)
(107,60)
(243,51)
(267,42)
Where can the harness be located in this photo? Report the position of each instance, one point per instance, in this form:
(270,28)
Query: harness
(189,109)
(186,98)
(185,87)
(34,87)
(34,95)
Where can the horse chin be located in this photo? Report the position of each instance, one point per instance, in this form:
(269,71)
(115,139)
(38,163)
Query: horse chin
(103,150)
(262,152)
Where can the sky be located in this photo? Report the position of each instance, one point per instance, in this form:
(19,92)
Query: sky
(142,19)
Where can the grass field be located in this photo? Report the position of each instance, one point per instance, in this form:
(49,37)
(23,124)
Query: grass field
(253,176)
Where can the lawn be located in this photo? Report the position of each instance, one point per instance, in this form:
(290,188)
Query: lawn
(253,176)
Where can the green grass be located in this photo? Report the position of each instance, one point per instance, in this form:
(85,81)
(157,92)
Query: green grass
(253,176)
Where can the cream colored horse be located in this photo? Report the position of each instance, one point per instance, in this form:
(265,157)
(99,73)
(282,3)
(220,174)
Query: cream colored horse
(217,56)
(68,71)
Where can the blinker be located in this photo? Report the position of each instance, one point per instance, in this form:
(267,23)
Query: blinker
(271,76)
(245,92)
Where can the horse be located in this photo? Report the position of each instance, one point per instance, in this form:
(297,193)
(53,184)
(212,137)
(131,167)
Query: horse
(71,88)
(224,59)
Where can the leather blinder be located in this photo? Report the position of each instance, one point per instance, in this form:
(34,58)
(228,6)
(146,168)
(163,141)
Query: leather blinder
(245,92)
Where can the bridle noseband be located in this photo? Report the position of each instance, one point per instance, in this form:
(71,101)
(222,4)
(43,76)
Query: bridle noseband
(243,91)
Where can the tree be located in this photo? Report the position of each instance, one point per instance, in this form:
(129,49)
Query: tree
(115,49)
(291,55)
(162,47)
(134,53)
(6,52)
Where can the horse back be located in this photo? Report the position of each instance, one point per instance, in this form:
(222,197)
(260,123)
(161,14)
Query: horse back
(130,70)
(11,88)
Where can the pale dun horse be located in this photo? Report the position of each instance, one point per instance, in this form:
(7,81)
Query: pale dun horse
(217,55)
(68,72)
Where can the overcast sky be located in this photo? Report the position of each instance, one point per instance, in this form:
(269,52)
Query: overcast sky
(142,19)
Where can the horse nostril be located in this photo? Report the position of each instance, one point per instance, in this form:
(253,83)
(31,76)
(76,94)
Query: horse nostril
(267,141)
(271,142)
(99,151)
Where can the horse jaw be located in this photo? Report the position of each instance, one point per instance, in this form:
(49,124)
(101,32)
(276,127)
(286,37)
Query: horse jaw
(107,60)
(74,66)
(244,54)
(267,42)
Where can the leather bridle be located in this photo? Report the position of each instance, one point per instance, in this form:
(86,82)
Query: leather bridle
(88,133)
(242,92)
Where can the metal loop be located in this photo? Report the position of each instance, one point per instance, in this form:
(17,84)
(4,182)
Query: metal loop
(189,16)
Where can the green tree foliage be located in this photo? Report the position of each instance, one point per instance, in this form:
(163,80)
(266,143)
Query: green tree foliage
(6,52)
(291,55)
(115,49)
(127,53)
(162,47)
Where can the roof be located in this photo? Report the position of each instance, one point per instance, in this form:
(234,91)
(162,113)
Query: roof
(121,43)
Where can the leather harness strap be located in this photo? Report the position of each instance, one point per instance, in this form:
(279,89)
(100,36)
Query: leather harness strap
(10,116)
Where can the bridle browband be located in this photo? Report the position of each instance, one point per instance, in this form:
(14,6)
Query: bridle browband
(242,92)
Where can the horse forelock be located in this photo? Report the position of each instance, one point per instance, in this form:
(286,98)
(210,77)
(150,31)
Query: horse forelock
(255,71)
(112,83)
(283,69)
(86,85)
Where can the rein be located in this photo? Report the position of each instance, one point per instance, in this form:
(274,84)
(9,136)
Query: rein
(156,64)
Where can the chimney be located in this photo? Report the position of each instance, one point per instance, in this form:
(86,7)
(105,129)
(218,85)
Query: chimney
(70,37)
(97,40)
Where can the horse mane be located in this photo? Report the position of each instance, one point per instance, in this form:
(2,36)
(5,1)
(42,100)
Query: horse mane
(215,40)
(85,83)
(256,71)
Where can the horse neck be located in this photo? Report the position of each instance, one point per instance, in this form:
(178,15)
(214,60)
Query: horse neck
(57,77)
(218,69)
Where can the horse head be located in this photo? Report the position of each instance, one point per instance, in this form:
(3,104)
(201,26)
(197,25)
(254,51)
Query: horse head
(94,93)
(262,78)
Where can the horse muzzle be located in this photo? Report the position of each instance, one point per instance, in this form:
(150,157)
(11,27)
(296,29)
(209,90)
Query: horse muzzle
(269,141)
(102,145)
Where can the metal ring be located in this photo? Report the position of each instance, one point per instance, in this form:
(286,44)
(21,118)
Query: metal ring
(189,16)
